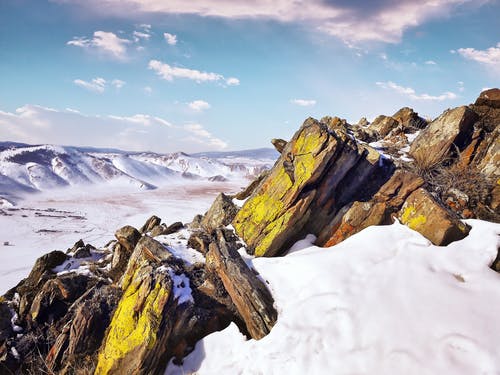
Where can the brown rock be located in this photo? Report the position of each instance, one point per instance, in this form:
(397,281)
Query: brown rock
(383,125)
(423,214)
(490,98)
(128,237)
(220,214)
(450,132)
(200,240)
(250,295)
(152,222)
(279,144)
(5,323)
(409,120)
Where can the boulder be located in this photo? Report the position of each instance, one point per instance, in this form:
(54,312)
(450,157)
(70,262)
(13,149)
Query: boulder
(199,240)
(490,98)
(423,214)
(363,122)
(383,125)
(279,144)
(163,229)
(409,120)
(152,222)
(220,214)
(320,170)
(5,322)
(250,295)
(450,132)
(128,237)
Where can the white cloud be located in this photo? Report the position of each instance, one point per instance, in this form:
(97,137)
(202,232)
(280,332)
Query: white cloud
(169,73)
(97,84)
(118,83)
(199,105)
(170,38)
(461,87)
(430,62)
(106,42)
(139,132)
(138,35)
(148,90)
(303,102)
(231,81)
(489,57)
(409,92)
(350,21)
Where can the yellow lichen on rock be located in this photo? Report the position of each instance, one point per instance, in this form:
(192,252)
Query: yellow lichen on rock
(413,220)
(135,323)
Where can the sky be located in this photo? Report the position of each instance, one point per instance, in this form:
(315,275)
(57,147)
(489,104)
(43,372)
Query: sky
(166,76)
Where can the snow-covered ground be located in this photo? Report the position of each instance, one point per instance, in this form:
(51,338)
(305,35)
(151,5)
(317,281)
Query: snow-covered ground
(385,301)
(56,219)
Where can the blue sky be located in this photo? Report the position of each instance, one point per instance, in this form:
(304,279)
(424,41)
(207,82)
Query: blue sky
(228,75)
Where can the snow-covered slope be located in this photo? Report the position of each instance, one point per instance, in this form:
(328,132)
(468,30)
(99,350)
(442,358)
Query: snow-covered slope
(25,168)
(385,301)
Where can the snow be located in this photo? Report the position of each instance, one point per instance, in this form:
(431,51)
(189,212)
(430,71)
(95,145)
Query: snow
(56,219)
(182,290)
(385,301)
(176,244)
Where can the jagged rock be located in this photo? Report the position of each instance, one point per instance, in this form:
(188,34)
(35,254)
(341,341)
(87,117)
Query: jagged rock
(495,266)
(53,300)
(218,178)
(363,122)
(422,213)
(78,244)
(40,273)
(450,132)
(220,214)
(250,295)
(279,144)
(489,158)
(83,251)
(409,120)
(329,170)
(245,193)
(199,240)
(490,98)
(152,222)
(196,223)
(383,125)
(5,322)
(128,237)
(378,211)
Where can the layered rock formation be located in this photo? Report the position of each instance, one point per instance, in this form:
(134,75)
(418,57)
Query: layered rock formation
(136,304)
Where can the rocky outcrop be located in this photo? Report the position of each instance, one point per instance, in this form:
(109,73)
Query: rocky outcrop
(249,294)
(220,214)
(383,125)
(279,144)
(448,134)
(245,193)
(152,222)
(319,171)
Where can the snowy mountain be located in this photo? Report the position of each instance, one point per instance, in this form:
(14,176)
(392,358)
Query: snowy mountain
(30,168)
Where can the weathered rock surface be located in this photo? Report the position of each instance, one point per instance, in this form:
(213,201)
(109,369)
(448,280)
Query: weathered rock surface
(163,229)
(449,133)
(253,300)
(220,214)
(245,193)
(319,171)
(279,144)
(383,125)
(152,222)
(409,120)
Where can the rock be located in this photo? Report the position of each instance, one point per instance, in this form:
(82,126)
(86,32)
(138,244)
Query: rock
(128,237)
(196,223)
(250,295)
(490,98)
(152,222)
(245,193)
(53,300)
(200,240)
(383,125)
(495,266)
(377,211)
(329,170)
(488,157)
(409,120)
(450,132)
(83,252)
(363,122)
(5,322)
(163,229)
(220,214)
(78,244)
(279,144)
(423,214)
(218,178)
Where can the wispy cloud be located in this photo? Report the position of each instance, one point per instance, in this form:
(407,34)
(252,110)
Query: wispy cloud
(170,38)
(96,84)
(169,73)
(138,132)
(106,42)
(303,102)
(99,84)
(489,57)
(199,105)
(350,21)
(430,62)
(411,93)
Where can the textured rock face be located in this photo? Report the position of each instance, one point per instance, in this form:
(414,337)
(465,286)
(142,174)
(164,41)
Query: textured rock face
(409,119)
(420,212)
(220,214)
(452,129)
(490,98)
(279,144)
(319,163)
(383,125)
